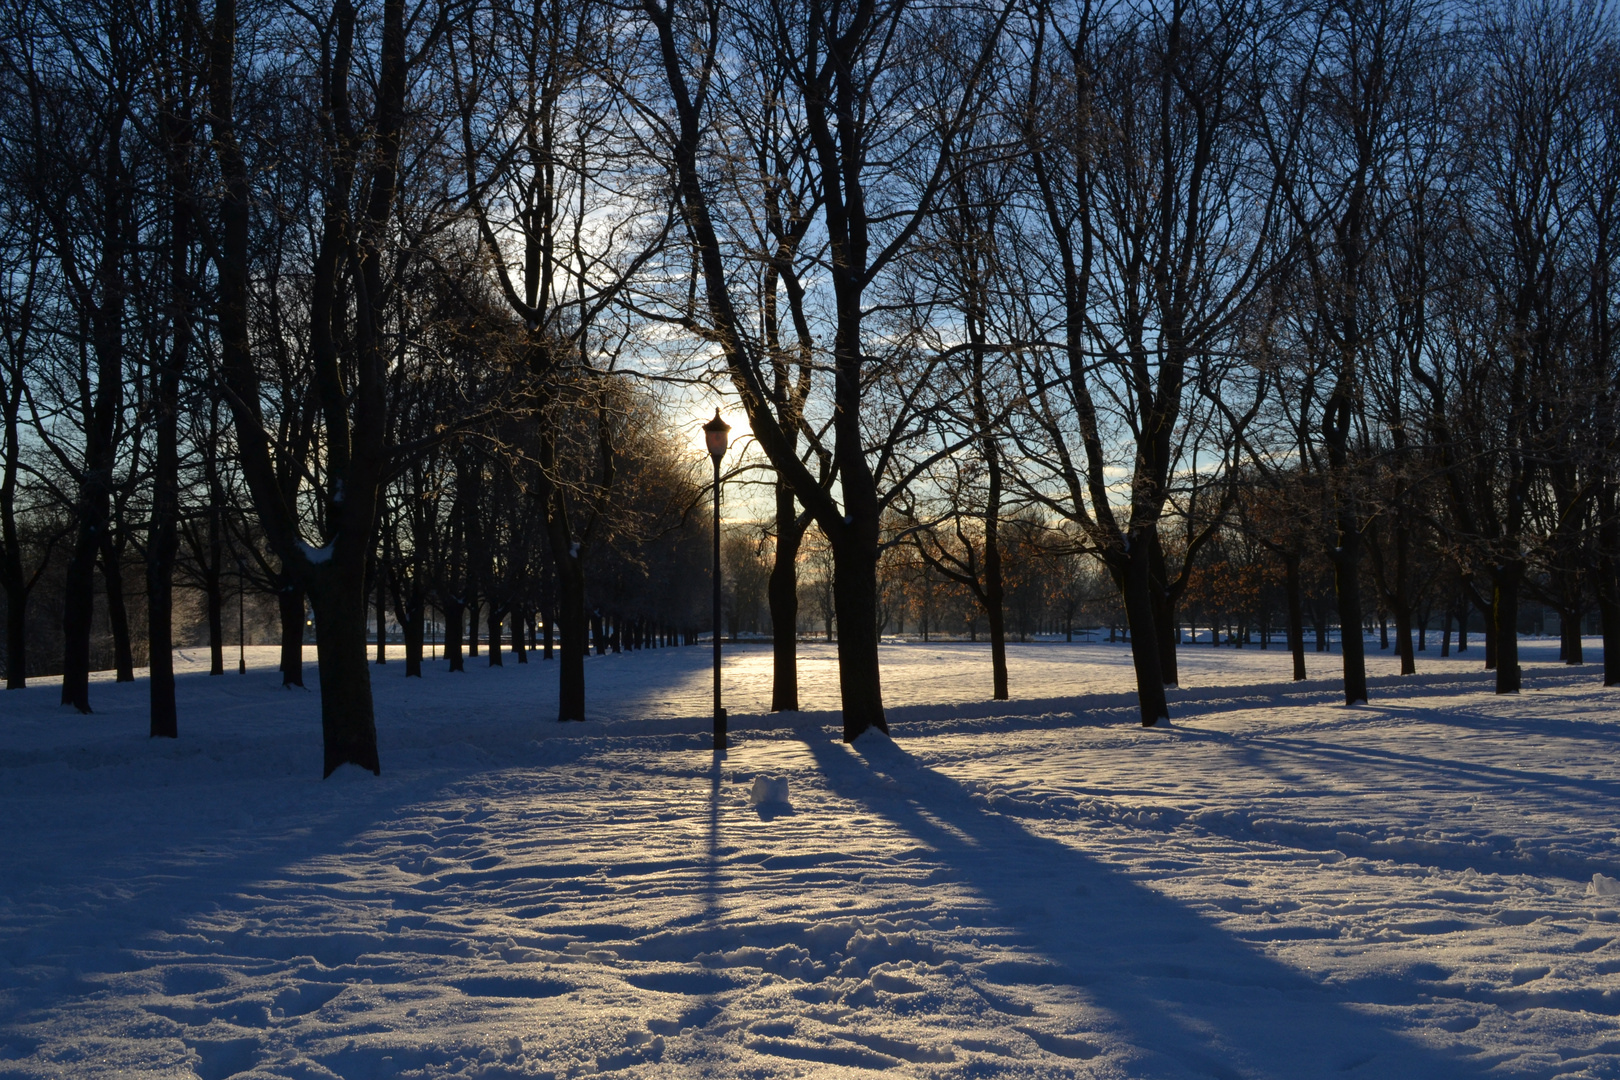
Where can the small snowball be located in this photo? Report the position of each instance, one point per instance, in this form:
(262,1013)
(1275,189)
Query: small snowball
(771,789)
(1603,885)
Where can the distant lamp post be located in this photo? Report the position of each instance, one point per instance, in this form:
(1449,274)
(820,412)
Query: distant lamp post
(241,617)
(714,434)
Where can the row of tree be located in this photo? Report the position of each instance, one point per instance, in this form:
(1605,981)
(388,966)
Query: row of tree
(383,297)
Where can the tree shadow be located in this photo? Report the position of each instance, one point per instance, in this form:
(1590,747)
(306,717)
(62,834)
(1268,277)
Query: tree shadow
(1187,996)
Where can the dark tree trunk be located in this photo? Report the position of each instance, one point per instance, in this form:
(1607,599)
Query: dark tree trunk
(410,609)
(214,595)
(783,594)
(348,729)
(1608,583)
(1164,613)
(163,541)
(997,619)
(995,590)
(545,633)
(382,608)
(455,615)
(415,631)
(112,572)
(16,623)
(1505,599)
(1609,617)
(855,603)
(1296,615)
(106,325)
(1445,632)
(290,602)
(1347,581)
(78,608)
(15,581)
(1569,634)
(1134,580)
(573,627)
(493,636)
(1403,639)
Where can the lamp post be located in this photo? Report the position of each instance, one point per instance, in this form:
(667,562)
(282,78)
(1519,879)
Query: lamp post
(714,434)
(241,618)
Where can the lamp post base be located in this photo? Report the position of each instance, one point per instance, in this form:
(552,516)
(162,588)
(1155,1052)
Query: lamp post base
(719,729)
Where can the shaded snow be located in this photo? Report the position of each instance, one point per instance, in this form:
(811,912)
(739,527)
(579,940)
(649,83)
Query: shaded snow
(1275,886)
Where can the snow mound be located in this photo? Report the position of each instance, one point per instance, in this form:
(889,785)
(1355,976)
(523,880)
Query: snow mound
(1603,885)
(774,790)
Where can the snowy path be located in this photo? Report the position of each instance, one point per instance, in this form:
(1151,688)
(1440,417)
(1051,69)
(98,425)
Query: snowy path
(1273,886)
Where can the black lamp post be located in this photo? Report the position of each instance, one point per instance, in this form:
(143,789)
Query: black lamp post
(714,434)
(241,618)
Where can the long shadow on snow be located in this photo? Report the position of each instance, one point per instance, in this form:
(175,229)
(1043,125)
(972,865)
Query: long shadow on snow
(1189,998)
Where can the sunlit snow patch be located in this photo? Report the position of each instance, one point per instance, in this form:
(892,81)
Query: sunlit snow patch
(774,790)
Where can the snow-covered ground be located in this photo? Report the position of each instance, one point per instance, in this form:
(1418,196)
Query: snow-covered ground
(1275,885)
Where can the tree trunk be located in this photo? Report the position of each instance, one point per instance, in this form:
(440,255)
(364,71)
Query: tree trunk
(78,608)
(1347,582)
(214,593)
(472,627)
(382,608)
(213,589)
(783,594)
(855,603)
(994,596)
(1609,616)
(494,636)
(112,572)
(1164,612)
(415,631)
(1608,583)
(573,625)
(163,540)
(1136,587)
(455,615)
(162,546)
(519,625)
(1403,639)
(998,625)
(1505,600)
(17,620)
(290,602)
(1296,615)
(410,608)
(1569,633)
(348,730)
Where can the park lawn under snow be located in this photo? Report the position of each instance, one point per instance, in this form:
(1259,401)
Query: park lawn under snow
(1274,885)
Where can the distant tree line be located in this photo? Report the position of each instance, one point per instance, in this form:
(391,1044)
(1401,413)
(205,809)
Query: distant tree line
(383,307)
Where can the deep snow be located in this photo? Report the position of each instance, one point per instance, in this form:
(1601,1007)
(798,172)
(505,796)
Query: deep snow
(1273,886)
